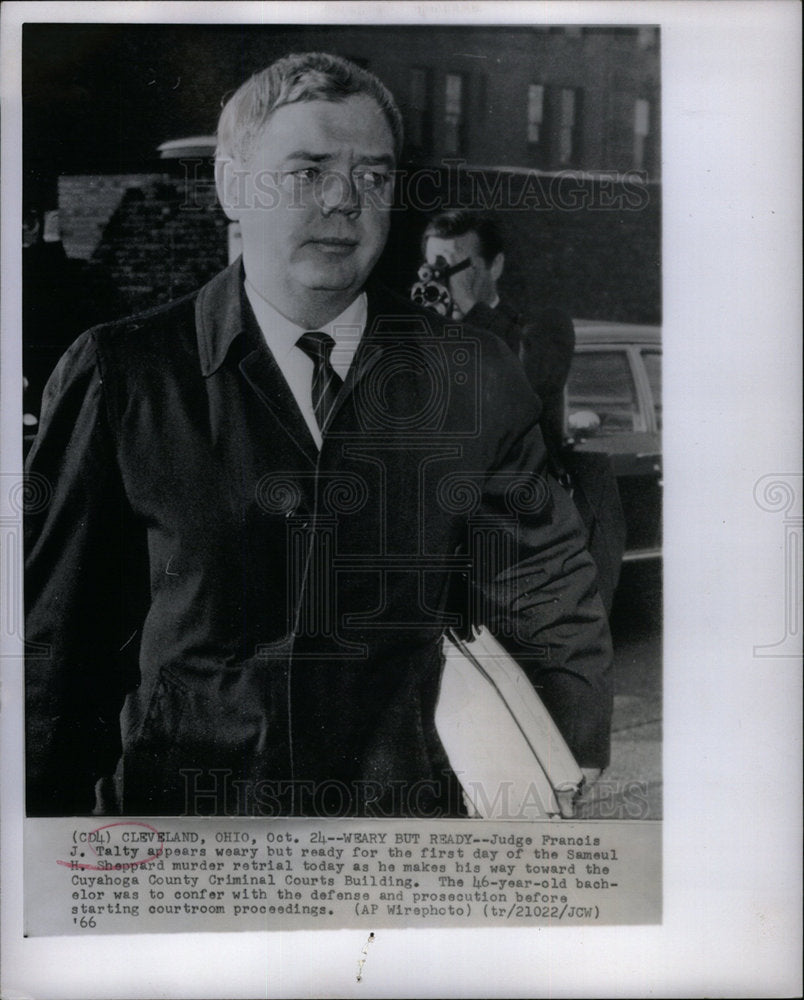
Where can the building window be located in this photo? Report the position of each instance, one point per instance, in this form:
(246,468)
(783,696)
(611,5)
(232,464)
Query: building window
(419,108)
(646,36)
(535,112)
(453,113)
(641,131)
(569,128)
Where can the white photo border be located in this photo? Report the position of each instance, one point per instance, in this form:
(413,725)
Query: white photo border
(732,337)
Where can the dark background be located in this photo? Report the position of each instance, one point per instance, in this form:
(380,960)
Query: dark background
(102,97)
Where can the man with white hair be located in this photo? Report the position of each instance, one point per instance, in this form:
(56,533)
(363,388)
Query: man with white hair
(271,498)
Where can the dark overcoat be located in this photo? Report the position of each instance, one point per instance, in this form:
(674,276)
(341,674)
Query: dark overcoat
(222,619)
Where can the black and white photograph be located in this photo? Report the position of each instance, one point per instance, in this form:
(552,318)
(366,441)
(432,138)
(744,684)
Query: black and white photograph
(337,494)
(223,615)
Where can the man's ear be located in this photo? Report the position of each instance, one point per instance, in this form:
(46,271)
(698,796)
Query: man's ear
(227,186)
(497,266)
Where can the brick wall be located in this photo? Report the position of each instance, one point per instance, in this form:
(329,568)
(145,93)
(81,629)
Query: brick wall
(86,203)
(157,236)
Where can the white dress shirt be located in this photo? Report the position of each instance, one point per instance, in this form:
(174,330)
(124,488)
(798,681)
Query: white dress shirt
(297,367)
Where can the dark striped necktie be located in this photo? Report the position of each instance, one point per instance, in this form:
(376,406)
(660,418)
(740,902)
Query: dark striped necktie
(326,381)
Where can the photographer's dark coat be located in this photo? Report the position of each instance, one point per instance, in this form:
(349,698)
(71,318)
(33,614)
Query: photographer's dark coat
(268,618)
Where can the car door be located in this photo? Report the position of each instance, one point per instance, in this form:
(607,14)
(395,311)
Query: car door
(619,384)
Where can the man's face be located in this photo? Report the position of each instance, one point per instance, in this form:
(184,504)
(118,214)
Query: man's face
(478,282)
(313,201)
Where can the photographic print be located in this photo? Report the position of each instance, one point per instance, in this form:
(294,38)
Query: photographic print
(266,564)
(340,382)
(546,140)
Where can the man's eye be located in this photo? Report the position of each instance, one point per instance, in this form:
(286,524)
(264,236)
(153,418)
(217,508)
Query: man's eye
(307,174)
(369,179)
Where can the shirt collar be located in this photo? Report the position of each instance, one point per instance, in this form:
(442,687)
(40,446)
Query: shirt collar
(221,307)
(281,334)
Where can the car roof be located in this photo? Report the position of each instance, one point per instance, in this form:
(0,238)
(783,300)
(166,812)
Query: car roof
(595,331)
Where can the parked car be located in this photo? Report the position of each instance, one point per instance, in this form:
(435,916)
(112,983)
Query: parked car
(614,405)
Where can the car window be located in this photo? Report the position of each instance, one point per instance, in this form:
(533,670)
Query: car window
(653,368)
(602,381)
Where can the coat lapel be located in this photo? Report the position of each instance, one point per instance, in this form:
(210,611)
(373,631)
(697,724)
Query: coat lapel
(223,314)
(263,375)
(389,319)
(369,351)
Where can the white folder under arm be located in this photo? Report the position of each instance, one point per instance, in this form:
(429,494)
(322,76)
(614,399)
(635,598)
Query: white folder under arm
(508,754)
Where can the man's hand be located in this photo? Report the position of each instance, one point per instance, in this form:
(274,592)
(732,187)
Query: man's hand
(462,289)
(590,776)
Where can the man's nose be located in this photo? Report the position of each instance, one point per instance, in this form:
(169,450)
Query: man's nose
(339,193)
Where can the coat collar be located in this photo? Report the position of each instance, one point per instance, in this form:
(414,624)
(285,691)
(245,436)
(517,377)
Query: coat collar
(223,313)
(219,316)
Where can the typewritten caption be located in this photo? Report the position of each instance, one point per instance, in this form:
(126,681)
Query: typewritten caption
(240,874)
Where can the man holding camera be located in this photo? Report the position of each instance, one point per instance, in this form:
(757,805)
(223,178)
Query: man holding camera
(459,236)
(471,246)
(544,344)
(268,499)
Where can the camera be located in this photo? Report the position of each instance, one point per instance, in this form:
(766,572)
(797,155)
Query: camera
(432,288)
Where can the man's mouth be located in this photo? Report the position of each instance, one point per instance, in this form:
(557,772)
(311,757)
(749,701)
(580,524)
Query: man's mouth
(334,245)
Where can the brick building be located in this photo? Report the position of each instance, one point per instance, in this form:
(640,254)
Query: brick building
(545,98)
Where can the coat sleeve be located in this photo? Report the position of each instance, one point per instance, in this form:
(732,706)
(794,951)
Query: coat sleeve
(535,582)
(501,322)
(77,612)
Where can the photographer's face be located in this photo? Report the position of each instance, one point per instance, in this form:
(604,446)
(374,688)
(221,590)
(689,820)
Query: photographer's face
(476,283)
(313,201)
